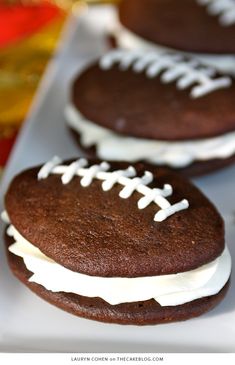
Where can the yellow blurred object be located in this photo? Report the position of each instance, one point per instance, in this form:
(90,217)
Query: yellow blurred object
(21,66)
(64,4)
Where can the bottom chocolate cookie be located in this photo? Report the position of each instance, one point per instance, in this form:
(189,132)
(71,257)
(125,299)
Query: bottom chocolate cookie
(138,313)
(195,169)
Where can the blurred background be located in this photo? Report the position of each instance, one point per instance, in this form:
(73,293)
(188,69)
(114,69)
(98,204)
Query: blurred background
(29,34)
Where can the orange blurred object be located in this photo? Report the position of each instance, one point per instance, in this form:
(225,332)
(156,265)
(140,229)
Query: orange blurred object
(28,37)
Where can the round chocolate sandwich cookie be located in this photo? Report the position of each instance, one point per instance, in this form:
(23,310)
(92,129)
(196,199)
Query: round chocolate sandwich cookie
(205,28)
(163,109)
(114,242)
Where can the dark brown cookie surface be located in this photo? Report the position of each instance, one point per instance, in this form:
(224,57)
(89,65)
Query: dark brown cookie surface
(181,24)
(98,233)
(138,313)
(132,104)
(197,168)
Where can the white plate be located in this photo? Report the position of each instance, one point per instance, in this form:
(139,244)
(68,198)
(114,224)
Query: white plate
(27,323)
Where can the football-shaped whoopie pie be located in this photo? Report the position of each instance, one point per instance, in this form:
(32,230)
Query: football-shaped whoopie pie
(203,27)
(114,242)
(160,108)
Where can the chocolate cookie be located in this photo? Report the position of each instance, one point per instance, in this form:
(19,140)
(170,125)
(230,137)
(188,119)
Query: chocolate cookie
(204,27)
(116,243)
(164,109)
(188,25)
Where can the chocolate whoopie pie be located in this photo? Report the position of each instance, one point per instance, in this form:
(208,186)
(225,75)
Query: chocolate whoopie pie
(203,27)
(159,108)
(116,243)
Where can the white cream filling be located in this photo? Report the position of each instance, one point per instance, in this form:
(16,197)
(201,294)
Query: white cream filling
(112,146)
(127,39)
(167,290)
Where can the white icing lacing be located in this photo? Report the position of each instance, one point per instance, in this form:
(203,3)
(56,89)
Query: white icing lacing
(127,178)
(225,9)
(172,67)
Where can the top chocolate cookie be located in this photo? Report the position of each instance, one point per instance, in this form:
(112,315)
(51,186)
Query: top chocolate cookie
(161,97)
(203,26)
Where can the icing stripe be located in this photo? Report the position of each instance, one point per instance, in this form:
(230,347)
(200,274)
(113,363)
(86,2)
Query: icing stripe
(48,167)
(225,9)
(171,68)
(127,178)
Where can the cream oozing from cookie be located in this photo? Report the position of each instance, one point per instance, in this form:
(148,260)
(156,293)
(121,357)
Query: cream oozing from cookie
(129,40)
(171,67)
(110,145)
(167,290)
(127,178)
(224,9)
